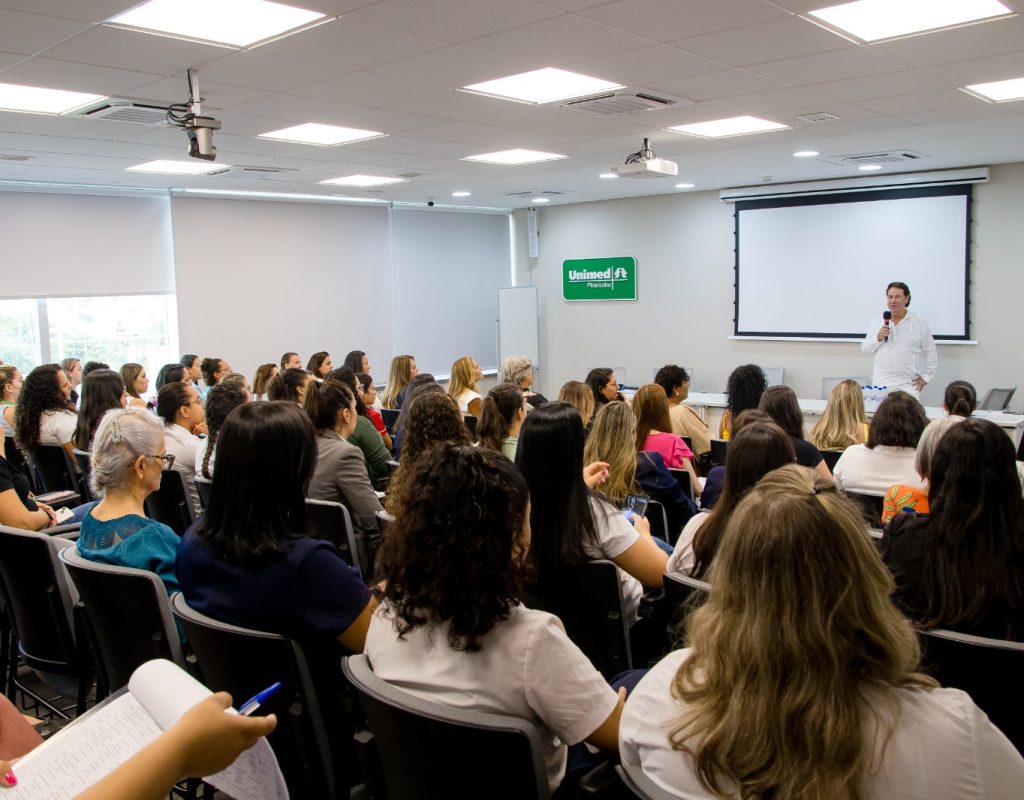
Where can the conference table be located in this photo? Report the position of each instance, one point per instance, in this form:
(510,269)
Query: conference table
(711,406)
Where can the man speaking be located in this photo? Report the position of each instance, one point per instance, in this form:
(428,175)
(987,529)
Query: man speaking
(899,339)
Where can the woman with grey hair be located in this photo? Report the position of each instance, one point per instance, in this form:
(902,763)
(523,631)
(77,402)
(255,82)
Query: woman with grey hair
(128,458)
(914,499)
(519,370)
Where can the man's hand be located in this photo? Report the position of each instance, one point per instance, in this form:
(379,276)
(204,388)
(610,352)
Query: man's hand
(919,383)
(883,333)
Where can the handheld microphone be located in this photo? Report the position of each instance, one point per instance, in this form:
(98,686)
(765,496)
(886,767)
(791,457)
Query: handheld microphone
(886,316)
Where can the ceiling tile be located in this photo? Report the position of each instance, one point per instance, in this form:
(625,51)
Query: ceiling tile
(859,127)
(771,102)
(33,33)
(724,83)
(962,114)
(453,66)
(646,66)
(9,60)
(310,109)
(363,88)
(105,46)
(959,44)
(889,85)
(931,101)
(667,20)
(452,21)
(87,10)
(258,69)
(980,70)
(559,41)
(852,62)
(40,71)
(215,95)
(770,41)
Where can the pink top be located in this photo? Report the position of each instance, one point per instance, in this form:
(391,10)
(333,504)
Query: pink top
(671,448)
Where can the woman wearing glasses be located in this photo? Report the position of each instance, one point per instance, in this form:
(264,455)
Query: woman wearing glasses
(128,457)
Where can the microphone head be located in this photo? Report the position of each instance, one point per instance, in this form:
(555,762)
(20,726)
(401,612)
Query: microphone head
(887,315)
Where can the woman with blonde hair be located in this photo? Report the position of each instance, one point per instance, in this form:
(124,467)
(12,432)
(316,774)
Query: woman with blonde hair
(799,679)
(613,440)
(653,432)
(463,388)
(578,395)
(843,423)
(403,370)
(135,383)
(10,387)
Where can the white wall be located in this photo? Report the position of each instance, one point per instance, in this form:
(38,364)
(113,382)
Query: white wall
(684,313)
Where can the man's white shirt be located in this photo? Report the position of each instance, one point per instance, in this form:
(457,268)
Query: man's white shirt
(897,361)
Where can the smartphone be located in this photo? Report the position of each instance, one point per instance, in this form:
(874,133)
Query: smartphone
(63,515)
(635,506)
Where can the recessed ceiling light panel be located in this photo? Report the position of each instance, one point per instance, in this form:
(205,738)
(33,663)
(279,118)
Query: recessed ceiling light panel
(35,100)
(685,185)
(235,23)
(732,126)
(540,200)
(806,153)
(548,85)
(869,167)
(873,20)
(179,167)
(517,156)
(364,181)
(998,91)
(461,194)
(608,175)
(322,135)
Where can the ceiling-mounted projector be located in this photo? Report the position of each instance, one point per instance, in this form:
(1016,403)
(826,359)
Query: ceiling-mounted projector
(645,164)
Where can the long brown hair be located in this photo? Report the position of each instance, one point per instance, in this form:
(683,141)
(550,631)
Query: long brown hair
(500,407)
(650,405)
(798,626)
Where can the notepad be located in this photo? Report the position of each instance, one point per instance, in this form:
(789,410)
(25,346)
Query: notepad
(158,693)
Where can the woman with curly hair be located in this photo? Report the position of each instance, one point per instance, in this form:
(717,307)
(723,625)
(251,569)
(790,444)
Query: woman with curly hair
(431,417)
(799,678)
(743,391)
(221,400)
(452,628)
(843,423)
(403,370)
(44,413)
(463,388)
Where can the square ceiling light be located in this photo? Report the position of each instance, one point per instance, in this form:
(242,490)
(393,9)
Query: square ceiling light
(732,126)
(322,135)
(235,23)
(548,85)
(35,100)
(179,167)
(998,91)
(364,181)
(517,156)
(873,20)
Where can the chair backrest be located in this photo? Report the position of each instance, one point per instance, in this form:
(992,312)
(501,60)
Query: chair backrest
(471,423)
(170,504)
(432,750)
(870,506)
(203,486)
(989,670)
(719,450)
(828,384)
(683,479)
(390,417)
(128,617)
(243,662)
(688,441)
(53,469)
(85,467)
(831,458)
(997,399)
(13,454)
(587,597)
(775,375)
(639,784)
(332,522)
(682,595)
(658,519)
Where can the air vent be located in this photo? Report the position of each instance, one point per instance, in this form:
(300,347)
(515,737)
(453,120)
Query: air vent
(9,157)
(127,111)
(881,158)
(818,116)
(622,102)
(410,175)
(536,193)
(263,170)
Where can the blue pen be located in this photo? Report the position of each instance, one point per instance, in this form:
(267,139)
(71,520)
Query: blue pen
(250,705)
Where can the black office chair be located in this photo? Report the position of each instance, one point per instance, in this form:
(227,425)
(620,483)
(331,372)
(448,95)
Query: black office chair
(171,504)
(719,450)
(831,458)
(203,486)
(243,662)
(587,598)
(640,785)
(683,479)
(427,749)
(688,441)
(989,670)
(658,520)
(870,506)
(82,459)
(127,617)
(390,417)
(332,522)
(471,423)
(682,595)
(39,603)
(54,471)
(13,454)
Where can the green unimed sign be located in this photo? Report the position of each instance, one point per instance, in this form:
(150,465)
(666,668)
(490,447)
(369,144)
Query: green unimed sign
(599,279)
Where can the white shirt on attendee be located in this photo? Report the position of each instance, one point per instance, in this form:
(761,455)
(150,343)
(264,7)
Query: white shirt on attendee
(57,426)
(872,470)
(943,746)
(527,667)
(182,445)
(467,397)
(683,558)
(615,536)
(897,361)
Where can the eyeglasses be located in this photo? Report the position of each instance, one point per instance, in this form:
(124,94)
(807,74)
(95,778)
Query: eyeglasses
(168,459)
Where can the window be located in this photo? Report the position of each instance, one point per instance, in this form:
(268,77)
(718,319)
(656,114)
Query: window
(113,330)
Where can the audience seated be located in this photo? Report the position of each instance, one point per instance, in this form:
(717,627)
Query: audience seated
(102,391)
(73,369)
(221,400)
(685,421)
(452,628)
(843,423)
(365,435)
(504,410)
(136,384)
(914,499)
(653,432)
(190,361)
(92,366)
(960,399)
(612,440)
(357,361)
(368,394)
(320,365)
(579,396)
(213,370)
(463,388)
(757,449)
(961,566)
(265,373)
(127,461)
(403,370)
(519,370)
(888,456)
(181,409)
(252,560)
(290,360)
(743,391)
(44,413)
(290,385)
(799,678)
(10,387)
(780,403)
(18,509)
(340,473)
(170,373)
(421,380)
(604,388)
(569,521)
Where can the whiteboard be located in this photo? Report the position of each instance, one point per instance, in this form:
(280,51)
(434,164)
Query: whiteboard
(517,324)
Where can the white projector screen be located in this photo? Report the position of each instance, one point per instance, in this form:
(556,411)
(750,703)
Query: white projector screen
(817,267)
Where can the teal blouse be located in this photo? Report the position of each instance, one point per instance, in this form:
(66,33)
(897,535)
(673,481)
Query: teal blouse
(131,541)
